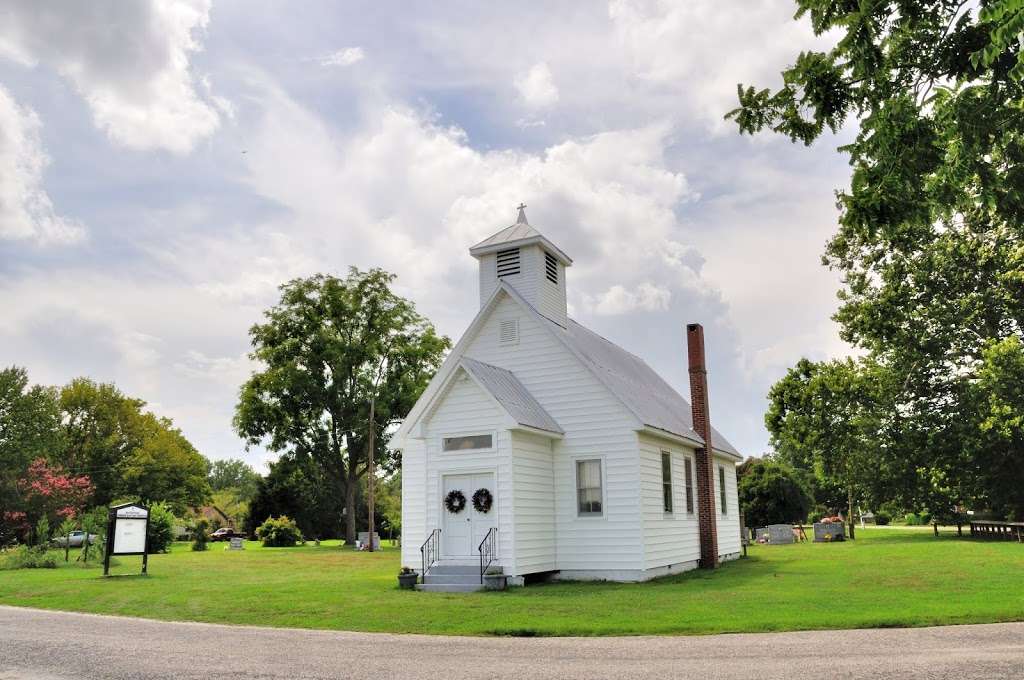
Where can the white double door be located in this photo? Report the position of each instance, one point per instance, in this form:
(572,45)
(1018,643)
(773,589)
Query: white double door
(463,531)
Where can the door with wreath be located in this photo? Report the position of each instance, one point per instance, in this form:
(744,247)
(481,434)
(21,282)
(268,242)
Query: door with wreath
(466,522)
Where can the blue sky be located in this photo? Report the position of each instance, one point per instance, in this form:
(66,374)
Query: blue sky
(165,164)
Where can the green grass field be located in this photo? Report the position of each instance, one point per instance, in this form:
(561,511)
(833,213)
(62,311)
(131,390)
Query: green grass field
(888,577)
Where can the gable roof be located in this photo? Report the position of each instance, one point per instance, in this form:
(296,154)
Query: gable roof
(650,399)
(511,395)
(646,393)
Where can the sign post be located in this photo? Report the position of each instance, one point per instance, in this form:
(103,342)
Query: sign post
(127,533)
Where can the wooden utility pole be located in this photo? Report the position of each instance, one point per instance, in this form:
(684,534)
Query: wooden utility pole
(370,472)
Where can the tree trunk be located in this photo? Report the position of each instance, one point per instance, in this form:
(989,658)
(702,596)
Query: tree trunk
(849,519)
(369,477)
(350,510)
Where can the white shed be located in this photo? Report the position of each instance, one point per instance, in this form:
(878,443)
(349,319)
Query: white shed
(542,448)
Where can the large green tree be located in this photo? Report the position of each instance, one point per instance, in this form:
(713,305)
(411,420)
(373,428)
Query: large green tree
(328,348)
(29,430)
(771,492)
(234,474)
(128,452)
(929,240)
(165,467)
(832,419)
(102,427)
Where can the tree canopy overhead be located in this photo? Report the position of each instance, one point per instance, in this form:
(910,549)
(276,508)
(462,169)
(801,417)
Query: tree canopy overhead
(326,349)
(929,238)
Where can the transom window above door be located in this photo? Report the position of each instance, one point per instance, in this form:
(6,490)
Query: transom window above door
(468,443)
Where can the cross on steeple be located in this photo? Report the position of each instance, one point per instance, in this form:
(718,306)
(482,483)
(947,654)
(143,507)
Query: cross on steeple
(522,214)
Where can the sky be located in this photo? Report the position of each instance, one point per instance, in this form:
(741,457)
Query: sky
(166,164)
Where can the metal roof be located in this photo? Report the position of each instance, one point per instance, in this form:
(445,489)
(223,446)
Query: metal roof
(652,399)
(519,234)
(513,396)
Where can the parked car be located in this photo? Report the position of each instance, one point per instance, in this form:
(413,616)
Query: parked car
(75,539)
(225,534)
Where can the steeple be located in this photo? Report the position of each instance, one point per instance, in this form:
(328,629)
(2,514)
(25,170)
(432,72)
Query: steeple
(523,258)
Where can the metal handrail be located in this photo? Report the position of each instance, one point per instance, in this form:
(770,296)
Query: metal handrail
(488,547)
(430,551)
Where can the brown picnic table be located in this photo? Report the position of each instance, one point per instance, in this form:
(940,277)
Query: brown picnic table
(1001,531)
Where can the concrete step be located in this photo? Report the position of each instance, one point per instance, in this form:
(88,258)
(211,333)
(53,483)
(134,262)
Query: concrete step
(449,587)
(442,568)
(433,577)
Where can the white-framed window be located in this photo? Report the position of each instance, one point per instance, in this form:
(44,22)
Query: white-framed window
(688,480)
(666,481)
(721,488)
(589,488)
(472,442)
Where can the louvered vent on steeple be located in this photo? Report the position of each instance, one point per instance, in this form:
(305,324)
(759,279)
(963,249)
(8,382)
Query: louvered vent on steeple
(521,258)
(551,267)
(508,262)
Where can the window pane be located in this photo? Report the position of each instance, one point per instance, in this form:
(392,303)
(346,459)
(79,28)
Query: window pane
(666,480)
(689,485)
(477,441)
(721,484)
(588,486)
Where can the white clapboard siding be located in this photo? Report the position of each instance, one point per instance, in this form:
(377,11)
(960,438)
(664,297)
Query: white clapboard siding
(414,476)
(669,538)
(728,524)
(597,426)
(466,410)
(551,296)
(533,491)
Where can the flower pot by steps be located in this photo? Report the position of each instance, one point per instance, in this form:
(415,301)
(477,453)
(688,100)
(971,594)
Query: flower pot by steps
(495,581)
(408,581)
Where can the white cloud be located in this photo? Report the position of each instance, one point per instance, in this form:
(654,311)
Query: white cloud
(26,211)
(537,86)
(129,61)
(343,57)
(705,47)
(646,297)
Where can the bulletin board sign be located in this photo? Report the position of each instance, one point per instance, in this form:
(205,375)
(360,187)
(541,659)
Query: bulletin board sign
(127,529)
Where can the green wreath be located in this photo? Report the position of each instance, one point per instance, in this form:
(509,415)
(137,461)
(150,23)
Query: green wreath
(455,501)
(482,500)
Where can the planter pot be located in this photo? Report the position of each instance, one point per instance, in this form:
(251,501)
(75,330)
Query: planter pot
(408,581)
(495,581)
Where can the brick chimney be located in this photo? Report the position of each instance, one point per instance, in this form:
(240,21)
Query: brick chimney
(704,458)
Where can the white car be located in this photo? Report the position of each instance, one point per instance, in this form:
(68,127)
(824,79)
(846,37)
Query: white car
(75,539)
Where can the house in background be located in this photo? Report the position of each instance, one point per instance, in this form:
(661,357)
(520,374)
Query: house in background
(546,449)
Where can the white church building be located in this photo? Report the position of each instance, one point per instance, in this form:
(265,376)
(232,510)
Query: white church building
(541,448)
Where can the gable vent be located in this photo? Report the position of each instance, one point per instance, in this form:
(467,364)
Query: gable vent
(508,262)
(509,331)
(551,267)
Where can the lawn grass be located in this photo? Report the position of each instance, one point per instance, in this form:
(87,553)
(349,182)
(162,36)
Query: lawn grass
(888,577)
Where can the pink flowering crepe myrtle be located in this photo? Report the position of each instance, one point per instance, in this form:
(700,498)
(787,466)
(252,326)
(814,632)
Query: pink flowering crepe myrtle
(49,490)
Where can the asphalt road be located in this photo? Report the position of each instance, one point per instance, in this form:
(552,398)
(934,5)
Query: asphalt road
(58,645)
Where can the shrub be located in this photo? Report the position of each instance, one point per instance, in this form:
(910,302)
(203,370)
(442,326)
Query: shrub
(42,531)
(26,557)
(882,519)
(926,518)
(912,520)
(817,513)
(279,532)
(161,528)
(199,536)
